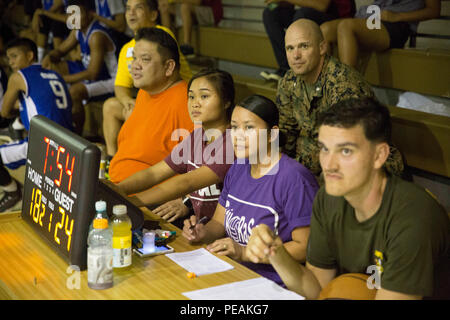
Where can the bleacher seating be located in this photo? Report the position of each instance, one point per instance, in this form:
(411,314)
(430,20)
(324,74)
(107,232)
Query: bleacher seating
(423,138)
(431,33)
(240,38)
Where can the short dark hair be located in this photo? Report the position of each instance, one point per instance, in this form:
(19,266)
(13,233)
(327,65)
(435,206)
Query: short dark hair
(152,5)
(222,82)
(167,46)
(373,116)
(88,5)
(25,43)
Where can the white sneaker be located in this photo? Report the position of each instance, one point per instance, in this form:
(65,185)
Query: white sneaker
(17,125)
(265,75)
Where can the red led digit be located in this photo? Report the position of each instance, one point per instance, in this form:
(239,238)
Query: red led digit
(69,172)
(47,141)
(59,165)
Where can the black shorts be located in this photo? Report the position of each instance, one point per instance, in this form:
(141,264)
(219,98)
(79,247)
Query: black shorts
(399,33)
(59,29)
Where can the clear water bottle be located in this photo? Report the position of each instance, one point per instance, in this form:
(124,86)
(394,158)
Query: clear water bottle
(100,255)
(121,226)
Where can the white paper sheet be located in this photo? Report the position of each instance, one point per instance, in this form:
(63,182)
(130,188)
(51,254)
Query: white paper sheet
(199,261)
(253,289)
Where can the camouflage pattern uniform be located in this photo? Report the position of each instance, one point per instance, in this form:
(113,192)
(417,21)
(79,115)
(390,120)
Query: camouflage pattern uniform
(299,112)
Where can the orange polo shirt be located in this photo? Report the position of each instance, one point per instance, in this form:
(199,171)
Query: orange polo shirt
(146,137)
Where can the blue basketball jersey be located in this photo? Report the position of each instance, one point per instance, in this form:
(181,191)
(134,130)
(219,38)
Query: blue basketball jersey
(110,62)
(47,94)
(47,4)
(102,9)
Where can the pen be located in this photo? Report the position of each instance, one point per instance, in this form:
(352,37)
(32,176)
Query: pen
(203,220)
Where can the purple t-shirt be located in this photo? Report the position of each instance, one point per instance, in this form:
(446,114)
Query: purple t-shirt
(193,153)
(282,199)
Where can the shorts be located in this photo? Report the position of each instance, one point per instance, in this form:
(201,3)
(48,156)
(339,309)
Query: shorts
(99,88)
(399,33)
(75,67)
(14,154)
(58,29)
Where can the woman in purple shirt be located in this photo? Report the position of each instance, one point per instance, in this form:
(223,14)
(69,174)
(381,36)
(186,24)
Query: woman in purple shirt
(262,186)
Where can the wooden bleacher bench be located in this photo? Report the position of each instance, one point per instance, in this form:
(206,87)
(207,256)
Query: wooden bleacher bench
(431,33)
(404,69)
(423,138)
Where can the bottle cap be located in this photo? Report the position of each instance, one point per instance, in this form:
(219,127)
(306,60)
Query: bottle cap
(120,209)
(100,205)
(100,224)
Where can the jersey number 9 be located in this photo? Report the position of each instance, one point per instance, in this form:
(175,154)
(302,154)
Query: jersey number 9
(60,93)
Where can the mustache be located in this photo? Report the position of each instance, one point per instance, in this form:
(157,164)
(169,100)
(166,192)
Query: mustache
(332,171)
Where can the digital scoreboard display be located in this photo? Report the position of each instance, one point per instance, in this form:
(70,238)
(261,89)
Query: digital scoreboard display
(61,179)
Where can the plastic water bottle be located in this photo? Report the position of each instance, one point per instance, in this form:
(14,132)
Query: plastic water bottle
(102,168)
(121,226)
(100,209)
(100,255)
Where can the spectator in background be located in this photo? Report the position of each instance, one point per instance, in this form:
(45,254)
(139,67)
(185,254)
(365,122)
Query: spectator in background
(398,19)
(56,15)
(315,82)
(278,15)
(30,7)
(139,14)
(93,76)
(111,13)
(208,12)
(147,136)
(43,25)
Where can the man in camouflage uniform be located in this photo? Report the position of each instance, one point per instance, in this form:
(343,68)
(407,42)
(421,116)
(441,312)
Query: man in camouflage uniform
(314,83)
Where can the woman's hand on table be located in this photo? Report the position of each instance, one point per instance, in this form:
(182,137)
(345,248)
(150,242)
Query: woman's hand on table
(172,210)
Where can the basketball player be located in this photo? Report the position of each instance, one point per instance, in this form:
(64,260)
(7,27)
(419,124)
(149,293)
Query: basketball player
(39,91)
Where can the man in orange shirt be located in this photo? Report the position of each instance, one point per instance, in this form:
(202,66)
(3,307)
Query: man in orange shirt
(152,130)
